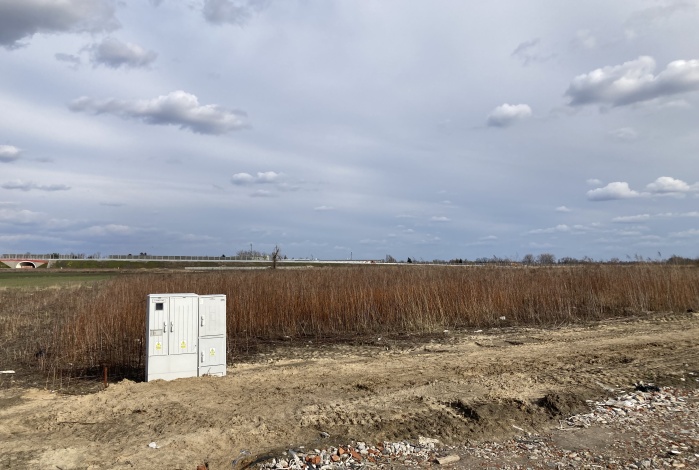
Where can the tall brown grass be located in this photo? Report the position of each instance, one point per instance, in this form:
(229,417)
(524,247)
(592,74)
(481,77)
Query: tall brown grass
(106,325)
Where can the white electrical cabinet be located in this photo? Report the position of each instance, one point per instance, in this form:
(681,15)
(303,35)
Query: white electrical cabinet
(185,336)
(212,335)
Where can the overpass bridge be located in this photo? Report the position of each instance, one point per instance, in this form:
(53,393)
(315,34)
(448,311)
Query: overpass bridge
(23,263)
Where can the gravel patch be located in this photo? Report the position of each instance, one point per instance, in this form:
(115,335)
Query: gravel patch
(648,428)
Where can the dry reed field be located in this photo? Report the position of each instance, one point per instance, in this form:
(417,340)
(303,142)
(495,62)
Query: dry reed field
(73,331)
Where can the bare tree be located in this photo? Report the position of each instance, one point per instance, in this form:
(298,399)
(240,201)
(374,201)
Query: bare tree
(546,259)
(276,256)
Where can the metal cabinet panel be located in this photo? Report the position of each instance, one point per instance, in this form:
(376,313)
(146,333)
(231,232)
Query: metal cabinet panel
(212,351)
(158,319)
(183,330)
(212,315)
(212,356)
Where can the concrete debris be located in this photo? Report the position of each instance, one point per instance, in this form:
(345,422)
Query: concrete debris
(647,430)
(453,458)
(358,454)
(651,429)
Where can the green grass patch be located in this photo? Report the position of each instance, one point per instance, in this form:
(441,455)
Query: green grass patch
(31,279)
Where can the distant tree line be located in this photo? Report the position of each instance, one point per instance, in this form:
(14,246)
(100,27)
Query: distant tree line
(549,259)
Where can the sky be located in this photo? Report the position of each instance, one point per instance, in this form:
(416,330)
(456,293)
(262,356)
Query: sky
(340,129)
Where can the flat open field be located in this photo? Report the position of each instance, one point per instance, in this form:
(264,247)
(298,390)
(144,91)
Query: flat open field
(42,278)
(455,386)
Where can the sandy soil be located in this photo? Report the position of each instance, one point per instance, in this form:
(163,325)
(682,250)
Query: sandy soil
(458,386)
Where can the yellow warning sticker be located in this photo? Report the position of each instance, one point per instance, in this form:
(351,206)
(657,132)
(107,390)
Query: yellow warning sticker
(183,345)
(158,346)
(212,352)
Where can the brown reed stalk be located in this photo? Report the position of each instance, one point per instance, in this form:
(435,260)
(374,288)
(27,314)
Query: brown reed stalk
(105,325)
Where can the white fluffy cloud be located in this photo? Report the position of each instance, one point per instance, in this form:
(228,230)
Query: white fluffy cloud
(176,108)
(9,153)
(507,114)
(21,19)
(633,82)
(114,53)
(665,185)
(669,185)
(265,177)
(615,190)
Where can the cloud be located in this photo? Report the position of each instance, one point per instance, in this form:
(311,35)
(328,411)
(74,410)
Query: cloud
(30,185)
(113,53)
(691,233)
(528,52)
(562,209)
(266,177)
(176,108)
(631,218)
(585,39)
(262,193)
(110,229)
(665,185)
(72,60)
(557,229)
(624,134)
(669,185)
(507,114)
(644,19)
(440,218)
(594,182)
(323,208)
(633,82)
(616,190)
(242,178)
(228,12)
(21,19)
(23,216)
(661,215)
(9,153)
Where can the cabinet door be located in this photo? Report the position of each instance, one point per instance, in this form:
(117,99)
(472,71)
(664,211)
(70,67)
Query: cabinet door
(182,328)
(158,323)
(212,351)
(212,315)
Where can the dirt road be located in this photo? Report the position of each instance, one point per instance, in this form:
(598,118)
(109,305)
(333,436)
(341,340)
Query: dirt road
(458,386)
